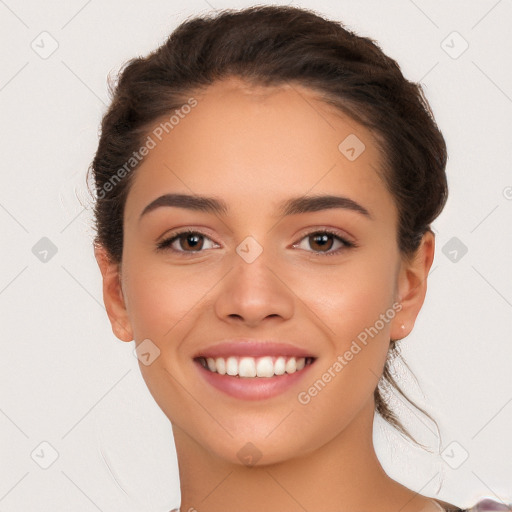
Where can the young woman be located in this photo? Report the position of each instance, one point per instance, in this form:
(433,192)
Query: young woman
(265,184)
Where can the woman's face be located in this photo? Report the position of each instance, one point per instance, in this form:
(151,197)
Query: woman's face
(265,267)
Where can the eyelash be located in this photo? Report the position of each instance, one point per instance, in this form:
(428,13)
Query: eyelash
(166,243)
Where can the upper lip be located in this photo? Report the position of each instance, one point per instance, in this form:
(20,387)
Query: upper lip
(252,348)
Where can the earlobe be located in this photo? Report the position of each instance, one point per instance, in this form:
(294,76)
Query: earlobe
(412,286)
(113,297)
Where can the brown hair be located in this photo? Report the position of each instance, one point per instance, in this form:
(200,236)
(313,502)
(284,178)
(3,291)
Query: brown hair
(272,46)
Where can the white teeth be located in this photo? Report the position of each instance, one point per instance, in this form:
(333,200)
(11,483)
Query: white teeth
(291,365)
(232,366)
(265,367)
(247,367)
(221,366)
(280,366)
(250,367)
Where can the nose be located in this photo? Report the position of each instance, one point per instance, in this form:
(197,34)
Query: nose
(254,292)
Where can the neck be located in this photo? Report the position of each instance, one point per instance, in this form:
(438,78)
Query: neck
(343,475)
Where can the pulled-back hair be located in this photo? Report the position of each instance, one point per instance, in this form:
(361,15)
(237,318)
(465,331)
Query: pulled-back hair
(273,46)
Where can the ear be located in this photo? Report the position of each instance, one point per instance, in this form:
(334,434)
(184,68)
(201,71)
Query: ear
(412,286)
(113,295)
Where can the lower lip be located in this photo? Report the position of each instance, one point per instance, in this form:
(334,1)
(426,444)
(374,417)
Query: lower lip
(252,388)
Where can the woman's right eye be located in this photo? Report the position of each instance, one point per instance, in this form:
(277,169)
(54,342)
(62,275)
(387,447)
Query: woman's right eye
(186,242)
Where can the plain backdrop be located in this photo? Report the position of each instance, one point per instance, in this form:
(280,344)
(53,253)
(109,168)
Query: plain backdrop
(79,429)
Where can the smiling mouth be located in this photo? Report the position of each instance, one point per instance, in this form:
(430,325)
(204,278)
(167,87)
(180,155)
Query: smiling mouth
(254,367)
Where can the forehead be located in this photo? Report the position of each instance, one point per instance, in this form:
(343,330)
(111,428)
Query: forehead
(257,146)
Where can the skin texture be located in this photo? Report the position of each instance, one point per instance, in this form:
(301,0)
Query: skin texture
(254,148)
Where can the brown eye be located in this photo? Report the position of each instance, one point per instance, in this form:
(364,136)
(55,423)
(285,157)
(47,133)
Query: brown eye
(186,242)
(323,242)
(192,241)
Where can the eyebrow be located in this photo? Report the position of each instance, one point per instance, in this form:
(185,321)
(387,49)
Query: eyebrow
(293,206)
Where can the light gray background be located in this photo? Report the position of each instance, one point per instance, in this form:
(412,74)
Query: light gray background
(67,381)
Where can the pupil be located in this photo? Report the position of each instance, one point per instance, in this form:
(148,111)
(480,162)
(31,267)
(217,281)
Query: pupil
(322,240)
(192,240)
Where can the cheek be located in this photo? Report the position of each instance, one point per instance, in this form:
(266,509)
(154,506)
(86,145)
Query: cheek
(349,298)
(153,302)
(356,311)
(162,300)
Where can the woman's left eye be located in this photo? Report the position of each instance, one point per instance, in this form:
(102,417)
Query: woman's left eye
(180,242)
(323,241)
